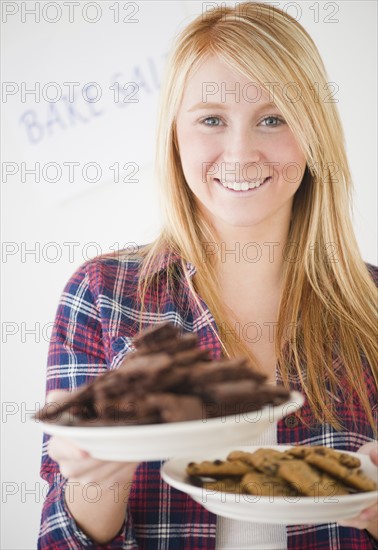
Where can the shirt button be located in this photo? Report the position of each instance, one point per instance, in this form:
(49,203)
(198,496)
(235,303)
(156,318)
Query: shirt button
(291,421)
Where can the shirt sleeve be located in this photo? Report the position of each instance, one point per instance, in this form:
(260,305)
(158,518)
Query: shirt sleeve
(76,355)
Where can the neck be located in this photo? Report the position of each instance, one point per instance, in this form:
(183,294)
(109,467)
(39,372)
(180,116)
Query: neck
(251,256)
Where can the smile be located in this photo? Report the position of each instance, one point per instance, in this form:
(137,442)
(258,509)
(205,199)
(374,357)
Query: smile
(243,187)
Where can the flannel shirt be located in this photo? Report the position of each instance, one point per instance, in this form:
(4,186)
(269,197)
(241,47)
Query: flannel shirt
(96,320)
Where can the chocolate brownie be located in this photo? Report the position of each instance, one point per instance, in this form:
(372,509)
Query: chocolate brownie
(168,378)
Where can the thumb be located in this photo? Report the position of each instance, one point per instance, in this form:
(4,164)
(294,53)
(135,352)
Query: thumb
(370,449)
(374,456)
(56,396)
(53,401)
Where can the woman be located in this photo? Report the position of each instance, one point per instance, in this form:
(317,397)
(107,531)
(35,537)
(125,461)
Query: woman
(257,256)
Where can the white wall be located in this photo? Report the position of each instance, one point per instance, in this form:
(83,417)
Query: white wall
(67,222)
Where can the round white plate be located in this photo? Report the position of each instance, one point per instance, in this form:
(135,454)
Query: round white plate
(279,510)
(161,441)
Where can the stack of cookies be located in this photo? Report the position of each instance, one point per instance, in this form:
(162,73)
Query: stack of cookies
(167,379)
(299,471)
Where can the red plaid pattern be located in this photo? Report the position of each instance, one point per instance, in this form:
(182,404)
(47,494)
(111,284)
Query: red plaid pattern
(96,319)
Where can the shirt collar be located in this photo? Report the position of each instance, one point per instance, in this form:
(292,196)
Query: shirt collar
(166,259)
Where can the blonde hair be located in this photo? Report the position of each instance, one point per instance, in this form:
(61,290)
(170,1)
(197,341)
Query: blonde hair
(330,305)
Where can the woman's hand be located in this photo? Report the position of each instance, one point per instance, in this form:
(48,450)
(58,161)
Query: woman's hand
(367,519)
(77,465)
(100,519)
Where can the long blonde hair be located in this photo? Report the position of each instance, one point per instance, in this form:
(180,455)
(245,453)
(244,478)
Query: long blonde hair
(321,298)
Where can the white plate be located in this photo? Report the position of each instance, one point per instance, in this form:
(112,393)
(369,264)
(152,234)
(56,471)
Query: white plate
(161,441)
(279,510)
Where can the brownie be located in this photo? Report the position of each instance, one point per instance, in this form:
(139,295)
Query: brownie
(168,378)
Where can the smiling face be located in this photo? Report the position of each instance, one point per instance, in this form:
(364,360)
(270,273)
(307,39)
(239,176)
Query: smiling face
(239,157)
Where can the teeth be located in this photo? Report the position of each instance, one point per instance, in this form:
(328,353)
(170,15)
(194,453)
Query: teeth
(241,186)
(254,185)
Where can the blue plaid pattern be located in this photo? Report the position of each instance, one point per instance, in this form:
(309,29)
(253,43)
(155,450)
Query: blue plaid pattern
(95,322)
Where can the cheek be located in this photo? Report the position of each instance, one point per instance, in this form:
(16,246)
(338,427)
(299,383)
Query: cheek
(190,162)
(196,154)
(292,163)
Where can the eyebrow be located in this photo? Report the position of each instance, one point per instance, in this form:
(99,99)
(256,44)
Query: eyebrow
(207,105)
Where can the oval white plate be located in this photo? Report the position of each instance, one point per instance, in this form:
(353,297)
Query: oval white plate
(278,510)
(161,441)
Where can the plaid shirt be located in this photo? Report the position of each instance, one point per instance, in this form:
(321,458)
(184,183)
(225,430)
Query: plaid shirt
(96,319)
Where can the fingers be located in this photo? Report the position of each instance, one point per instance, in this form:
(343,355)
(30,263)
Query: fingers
(374,456)
(368,517)
(61,448)
(370,449)
(73,462)
(363,520)
(71,459)
(369,514)
(78,465)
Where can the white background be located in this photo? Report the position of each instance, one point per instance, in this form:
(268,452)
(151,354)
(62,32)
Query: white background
(66,223)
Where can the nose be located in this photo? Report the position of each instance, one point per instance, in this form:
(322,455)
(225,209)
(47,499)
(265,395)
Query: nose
(242,155)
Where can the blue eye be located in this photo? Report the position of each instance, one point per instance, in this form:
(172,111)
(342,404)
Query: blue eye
(275,119)
(211,118)
(215,120)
